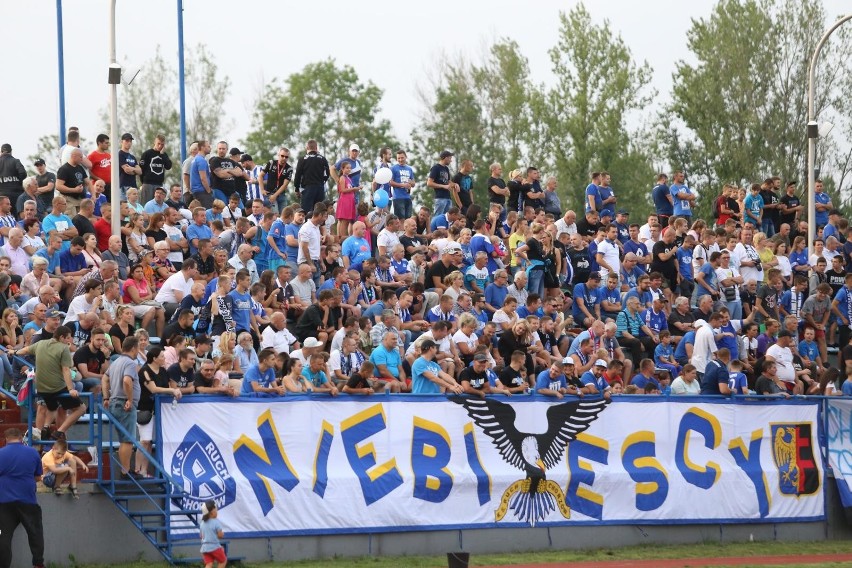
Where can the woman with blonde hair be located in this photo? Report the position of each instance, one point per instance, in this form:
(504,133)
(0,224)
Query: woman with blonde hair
(227,344)
(465,338)
(766,254)
(455,284)
(134,233)
(11,334)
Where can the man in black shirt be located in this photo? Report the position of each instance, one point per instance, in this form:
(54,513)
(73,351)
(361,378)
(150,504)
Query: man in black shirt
(204,260)
(129,166)
(84,219)
(439,181)
(578,255)
(222,172)
(312,173)
(278,176)
(771,213)
(240,180)
(513,375)
(474,379)
(72,181)
(182,326)
(154,163)
(451,257)
(319,320)
(12,175)
(182,374)
(790,204)
(588,226)
(664,258)
(91,360)
(497,190)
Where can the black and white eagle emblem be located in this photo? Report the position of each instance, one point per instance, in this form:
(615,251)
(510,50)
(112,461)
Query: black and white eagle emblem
(533,498)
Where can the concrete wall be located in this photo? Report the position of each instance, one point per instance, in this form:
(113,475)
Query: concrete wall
(92,530)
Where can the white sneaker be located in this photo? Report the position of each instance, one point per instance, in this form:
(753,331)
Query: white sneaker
(93,451)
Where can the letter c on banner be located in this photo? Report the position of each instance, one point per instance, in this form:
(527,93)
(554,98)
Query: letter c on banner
(376,480)
(707,425)
(430,454)
(639,458)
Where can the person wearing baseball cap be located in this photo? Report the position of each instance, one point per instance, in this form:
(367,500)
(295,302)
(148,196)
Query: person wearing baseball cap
(129,166)
(451,259)
(354,165)
(594,381)
(440,182)
(474,379)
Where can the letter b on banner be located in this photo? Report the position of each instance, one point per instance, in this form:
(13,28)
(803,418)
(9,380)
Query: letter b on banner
(430,454)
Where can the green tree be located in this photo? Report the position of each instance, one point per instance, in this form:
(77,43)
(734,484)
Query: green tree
(326,102)
(149,105)
(583,116)
(742,106)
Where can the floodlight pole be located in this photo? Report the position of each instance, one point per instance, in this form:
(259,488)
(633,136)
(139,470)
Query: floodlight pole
(114,79)
(813,132)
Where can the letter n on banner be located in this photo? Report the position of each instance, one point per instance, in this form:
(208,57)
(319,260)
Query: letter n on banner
(260,465)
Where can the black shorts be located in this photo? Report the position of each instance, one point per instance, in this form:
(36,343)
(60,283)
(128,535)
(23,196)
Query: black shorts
(54,400)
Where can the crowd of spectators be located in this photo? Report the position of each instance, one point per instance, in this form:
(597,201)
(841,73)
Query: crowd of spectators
(265,278)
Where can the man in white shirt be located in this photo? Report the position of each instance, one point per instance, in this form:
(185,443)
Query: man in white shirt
(567,223)
(310,240)
(344,362)
(783,357)
(608,253)
(16,253)
(388,238)
(243,260)
(177,286)
(705,342)
(175,237)
(277,336)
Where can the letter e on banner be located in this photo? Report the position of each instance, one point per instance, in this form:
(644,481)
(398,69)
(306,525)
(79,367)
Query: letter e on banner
(580,471)
(376,480)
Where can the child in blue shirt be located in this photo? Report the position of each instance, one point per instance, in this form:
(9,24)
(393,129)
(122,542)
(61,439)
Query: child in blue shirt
(664,355)
(211,531)
(754,206)
(808,349)
(737,381)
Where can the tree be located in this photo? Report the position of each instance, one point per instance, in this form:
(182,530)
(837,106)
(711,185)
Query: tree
(149,105)
(742,107)
(583,116)
(325,102)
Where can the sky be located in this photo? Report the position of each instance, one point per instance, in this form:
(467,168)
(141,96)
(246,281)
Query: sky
(253,41)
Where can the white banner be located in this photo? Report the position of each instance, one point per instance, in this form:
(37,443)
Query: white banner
(303,465)
(839,437)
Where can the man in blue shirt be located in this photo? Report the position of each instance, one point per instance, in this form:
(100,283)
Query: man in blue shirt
(593,194)
(716,375)
(259,379)
(314,373)
(72,264)
(822,204)
(682,196)
(60,223)
(353,161)
(356,248)
(586,307)
(842,307)
(663,200)
(444,220)
(20,468)
(622,223)
(594,378)
(496,292)
(388,361)
(199,176)
(552,382)
(402,183)
(242,313)
(642,292)
(198,230)
(427,376)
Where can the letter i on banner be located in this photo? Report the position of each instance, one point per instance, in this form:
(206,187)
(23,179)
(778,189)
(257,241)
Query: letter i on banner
(483,480)
(582,499)
(430,454)
(376,481)
(321,460)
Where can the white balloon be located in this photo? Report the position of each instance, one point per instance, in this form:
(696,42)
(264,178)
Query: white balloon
(383,175)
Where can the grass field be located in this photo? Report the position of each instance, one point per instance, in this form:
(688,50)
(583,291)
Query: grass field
(649,552)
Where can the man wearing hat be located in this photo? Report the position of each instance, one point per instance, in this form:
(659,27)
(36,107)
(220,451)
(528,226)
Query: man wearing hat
(593,379)
(129,166)
(354,163)
(154,163)
(474,379)
(427,376)
(439,181)
(622,223)
(451,259)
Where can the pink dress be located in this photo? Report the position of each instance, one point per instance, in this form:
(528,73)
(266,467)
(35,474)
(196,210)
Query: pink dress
(346,202)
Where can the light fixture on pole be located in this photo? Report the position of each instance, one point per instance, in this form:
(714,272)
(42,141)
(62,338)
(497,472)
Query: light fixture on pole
(815,131)
(114,80)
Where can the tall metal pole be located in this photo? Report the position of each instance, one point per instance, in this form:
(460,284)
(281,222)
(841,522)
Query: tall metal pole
(114,78)
(60,48)
(813,132)
(181,88)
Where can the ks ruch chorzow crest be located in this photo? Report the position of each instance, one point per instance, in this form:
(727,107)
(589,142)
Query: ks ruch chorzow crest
(533,498)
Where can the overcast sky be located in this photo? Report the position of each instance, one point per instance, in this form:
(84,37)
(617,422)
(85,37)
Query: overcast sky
(392,44)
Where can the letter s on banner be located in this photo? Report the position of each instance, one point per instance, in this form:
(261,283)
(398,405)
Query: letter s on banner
(639,458)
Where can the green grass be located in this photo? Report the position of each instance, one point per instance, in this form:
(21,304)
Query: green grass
(645,552)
